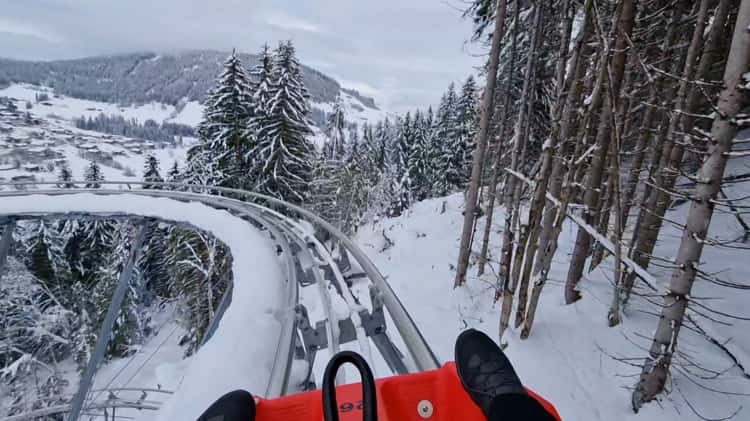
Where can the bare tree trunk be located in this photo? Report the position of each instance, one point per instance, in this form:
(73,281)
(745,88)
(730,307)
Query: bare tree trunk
(512,187)
(567,124)
(488,107)
(605,209)
(666,172)
(614,74)
(732,99)
(527,246)
(497,163)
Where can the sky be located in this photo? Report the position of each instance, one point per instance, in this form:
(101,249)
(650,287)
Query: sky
(404,53)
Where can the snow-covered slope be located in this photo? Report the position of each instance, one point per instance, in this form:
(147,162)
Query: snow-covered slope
(241,351)
(568,356)
(187,112)
(38,148)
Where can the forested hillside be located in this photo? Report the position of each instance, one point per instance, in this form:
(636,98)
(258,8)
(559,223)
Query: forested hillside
(144,77)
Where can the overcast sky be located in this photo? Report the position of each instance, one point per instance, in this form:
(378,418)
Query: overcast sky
(402,52)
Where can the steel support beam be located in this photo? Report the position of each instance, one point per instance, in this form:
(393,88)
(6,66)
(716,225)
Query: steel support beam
(106,329)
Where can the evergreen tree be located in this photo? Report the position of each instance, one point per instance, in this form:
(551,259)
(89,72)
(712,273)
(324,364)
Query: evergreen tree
(467,125)
(421,157)
(44,252)
(201,169)
(282,156)
(93,176)
(334,147)
(151,172)
(174,175)
(399,166)
(65,176)
(450,160)
(223,130)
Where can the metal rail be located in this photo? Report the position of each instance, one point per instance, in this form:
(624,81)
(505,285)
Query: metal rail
(278,381)
(417,346)
(286,231)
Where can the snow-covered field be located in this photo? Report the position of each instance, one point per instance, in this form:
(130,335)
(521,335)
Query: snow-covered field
(240,353)
(189,113)
(568,356)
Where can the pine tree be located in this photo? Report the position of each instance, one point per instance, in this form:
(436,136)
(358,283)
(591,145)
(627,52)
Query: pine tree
(467,125)
(282,156)
(450,159)
(223,130)
(262,83)
(420,158)
(399,166)
(201,169)
(174,175)
(93,176)
(334,147)
(44,251)
(151,172)
(65,176)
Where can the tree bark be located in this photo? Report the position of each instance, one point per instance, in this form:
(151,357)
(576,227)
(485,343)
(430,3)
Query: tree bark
(614,75)
(488,107)
(527,246)
(512,187)
(655,207)
(497,163)
(732,99)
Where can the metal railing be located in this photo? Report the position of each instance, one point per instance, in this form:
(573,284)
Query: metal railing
(284,230)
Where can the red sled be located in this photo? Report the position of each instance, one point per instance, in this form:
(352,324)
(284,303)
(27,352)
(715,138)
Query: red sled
(435,395)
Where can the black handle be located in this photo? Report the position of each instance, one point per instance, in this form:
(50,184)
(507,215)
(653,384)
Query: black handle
(330,406)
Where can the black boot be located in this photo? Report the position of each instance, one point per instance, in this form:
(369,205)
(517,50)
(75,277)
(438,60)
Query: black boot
(234,406)
(489,378)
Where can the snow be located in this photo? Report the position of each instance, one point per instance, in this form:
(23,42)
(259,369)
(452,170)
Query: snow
(567,357)
(191,114)
(242,350)
(69,108)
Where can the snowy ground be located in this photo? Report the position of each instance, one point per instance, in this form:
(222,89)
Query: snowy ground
(242,350)
(567,358)
(189,113)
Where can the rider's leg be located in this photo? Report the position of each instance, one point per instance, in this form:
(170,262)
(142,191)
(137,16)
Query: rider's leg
(489,378)
(234,406)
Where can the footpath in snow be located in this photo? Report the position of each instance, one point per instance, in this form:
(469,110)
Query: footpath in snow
(241,352)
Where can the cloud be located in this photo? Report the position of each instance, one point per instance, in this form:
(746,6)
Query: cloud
(403,52)
(16,27)
(291,23)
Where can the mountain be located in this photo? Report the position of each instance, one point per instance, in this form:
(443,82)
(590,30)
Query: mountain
(141,78)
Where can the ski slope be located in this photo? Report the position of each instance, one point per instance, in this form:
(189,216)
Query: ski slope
(242,350)
(568,357)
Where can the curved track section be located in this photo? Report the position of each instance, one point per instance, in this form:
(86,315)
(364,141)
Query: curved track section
(305,243)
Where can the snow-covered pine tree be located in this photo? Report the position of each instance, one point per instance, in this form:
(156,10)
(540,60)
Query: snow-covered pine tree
(44,252)
(399,163)
(420,157)
(151,172)
(353,190)
(174,175)
(450,159)
(324,189)
(200,269)
(334,147)
(261,85)
(65,176)
(223,130)
(201,169)
(130,324)
(352,144)
(467,124)
(282,157)
(93,176)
